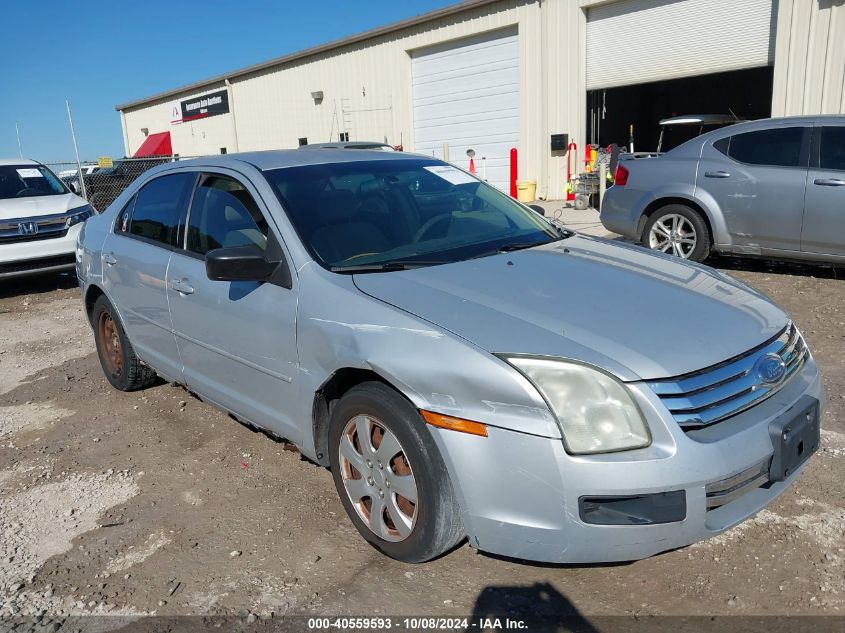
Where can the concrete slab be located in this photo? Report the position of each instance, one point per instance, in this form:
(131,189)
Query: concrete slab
(586,221)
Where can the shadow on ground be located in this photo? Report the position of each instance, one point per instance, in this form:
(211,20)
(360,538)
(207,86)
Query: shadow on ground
(540,606)
(37,284)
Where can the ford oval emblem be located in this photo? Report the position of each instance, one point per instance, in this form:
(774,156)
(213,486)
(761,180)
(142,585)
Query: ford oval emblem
(770,369)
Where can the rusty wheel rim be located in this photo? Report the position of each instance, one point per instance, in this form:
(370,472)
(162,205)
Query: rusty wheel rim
(110,344)
(378,478)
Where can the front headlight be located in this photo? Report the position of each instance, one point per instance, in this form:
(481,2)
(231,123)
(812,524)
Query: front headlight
(80,214)
(595,411)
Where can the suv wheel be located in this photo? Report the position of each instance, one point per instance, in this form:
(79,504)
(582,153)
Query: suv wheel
(390,476)
(678,230)
(122,367)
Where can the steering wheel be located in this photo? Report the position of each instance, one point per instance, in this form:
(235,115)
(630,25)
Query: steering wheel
(428,224)
(27,191)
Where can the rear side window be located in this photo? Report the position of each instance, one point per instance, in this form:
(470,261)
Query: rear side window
(158,206)
(224,214)
(778,147)
(832,148)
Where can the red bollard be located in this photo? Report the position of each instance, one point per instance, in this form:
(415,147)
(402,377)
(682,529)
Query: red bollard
(513,172)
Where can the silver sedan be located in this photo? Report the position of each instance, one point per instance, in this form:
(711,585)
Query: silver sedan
(770,188)
(465,367)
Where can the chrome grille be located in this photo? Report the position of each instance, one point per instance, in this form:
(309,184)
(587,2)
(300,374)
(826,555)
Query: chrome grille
(48,226)
(714,394)
(721,492)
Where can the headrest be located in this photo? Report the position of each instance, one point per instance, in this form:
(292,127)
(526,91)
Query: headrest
(233,209)
(369,187)
(334,207)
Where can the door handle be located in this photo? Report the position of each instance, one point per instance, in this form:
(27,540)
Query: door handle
(182,286)
(829,182)
(716,174)
(109,259)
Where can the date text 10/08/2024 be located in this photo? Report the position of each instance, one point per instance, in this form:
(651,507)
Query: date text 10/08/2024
(421,623)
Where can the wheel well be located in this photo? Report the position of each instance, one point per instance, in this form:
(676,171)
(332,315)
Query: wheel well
(327,397)
(662,202)
(91,295)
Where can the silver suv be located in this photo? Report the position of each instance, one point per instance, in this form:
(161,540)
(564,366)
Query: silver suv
(773,188)
(465,368)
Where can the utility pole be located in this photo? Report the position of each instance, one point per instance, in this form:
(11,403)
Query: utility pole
(18,132)
(76,149)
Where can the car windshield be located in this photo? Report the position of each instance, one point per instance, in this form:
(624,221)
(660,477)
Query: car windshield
(386,214)
(25,181)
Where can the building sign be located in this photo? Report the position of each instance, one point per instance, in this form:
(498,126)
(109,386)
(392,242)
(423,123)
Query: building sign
(105,162)
(205,106)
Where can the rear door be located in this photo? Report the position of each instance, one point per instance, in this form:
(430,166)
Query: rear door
(824,204)
(237,340)
(136,257)
(757,178)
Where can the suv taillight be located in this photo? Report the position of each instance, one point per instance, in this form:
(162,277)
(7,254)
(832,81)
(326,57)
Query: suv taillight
(621,176)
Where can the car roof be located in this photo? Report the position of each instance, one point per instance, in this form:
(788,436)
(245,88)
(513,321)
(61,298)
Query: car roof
(347,145)
(277,159)
(18,161)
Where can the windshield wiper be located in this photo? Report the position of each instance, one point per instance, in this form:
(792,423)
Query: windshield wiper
(518,246)
(385,266)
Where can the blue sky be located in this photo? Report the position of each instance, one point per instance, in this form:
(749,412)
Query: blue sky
(98,54)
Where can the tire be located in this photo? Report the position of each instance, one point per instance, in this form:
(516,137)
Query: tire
(431,526)
(679,230)
(121,366)
(581,202)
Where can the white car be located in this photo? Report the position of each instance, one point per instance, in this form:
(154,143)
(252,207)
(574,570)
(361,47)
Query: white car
(40,219)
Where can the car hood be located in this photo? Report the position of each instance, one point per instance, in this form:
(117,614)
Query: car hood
(36,206)
(636,314)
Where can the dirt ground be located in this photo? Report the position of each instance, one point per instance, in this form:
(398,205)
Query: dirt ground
(154,502)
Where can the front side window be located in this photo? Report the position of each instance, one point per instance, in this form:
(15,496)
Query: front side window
(777,147)
(832,148)
(224,214)
(158,206)
(28,181)
(403,212)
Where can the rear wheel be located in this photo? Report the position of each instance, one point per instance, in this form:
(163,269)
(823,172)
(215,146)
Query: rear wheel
(390,476)
(122,367)
(678,230)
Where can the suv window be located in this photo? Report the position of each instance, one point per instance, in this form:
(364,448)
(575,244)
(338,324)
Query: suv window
(158,205)
(832,148)
(778,147)
(224,214)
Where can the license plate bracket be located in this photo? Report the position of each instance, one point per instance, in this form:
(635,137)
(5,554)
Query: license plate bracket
(795,437)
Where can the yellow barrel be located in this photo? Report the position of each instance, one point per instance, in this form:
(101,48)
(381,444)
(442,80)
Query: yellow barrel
(526,190)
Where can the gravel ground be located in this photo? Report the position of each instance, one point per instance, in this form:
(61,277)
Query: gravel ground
(155,503)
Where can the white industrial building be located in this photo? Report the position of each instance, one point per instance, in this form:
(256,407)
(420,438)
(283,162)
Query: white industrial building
(495,74)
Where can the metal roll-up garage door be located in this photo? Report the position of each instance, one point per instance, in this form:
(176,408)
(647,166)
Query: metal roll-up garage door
(466,94)
(639,41)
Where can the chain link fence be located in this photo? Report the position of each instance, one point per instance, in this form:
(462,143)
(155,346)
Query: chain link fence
(102,185)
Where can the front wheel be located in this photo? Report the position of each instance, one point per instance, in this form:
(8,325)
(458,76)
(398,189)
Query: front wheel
(390,476)
(678,230)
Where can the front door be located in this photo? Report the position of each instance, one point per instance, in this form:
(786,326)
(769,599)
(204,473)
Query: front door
(757,178)
(237,339)
(136,257)
(824,203)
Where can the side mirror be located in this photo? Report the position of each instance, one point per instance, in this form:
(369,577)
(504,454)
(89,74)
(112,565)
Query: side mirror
(239,263)
(538,209)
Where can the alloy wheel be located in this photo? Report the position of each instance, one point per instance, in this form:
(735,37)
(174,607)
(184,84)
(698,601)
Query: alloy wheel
(378,478)
(673,234)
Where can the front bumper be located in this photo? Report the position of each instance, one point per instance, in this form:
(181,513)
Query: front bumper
(520,493)
(18,259)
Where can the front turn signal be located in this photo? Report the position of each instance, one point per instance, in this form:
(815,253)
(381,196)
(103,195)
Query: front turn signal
(454,424)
